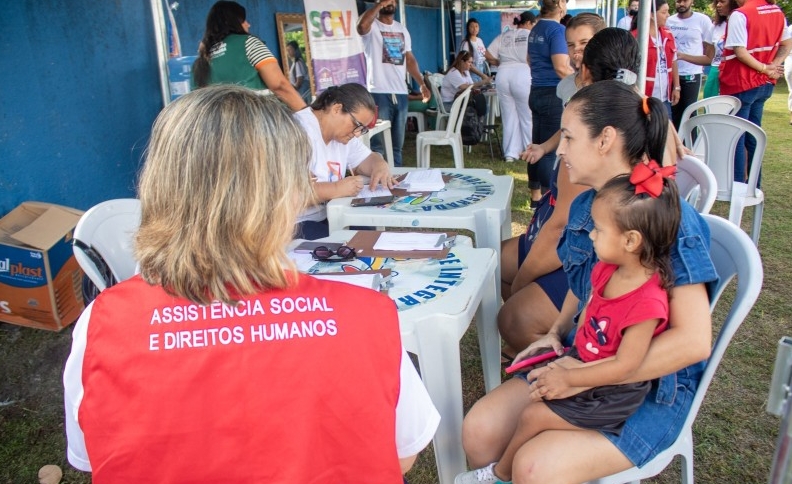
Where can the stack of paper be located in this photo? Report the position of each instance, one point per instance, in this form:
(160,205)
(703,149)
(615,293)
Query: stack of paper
(423,181)
(380,191)
(405,241)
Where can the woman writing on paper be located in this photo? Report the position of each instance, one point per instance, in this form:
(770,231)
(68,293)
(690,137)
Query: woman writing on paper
(334,123)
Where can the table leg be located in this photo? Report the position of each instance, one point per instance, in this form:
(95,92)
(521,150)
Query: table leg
(487,330)
(441,372)
(388,147)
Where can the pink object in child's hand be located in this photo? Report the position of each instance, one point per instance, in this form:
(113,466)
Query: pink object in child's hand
(533,360)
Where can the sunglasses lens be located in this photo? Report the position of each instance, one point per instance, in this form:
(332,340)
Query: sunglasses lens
(322,252)
(345,252)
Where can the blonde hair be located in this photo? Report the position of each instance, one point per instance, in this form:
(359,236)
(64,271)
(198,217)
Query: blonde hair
(225,176)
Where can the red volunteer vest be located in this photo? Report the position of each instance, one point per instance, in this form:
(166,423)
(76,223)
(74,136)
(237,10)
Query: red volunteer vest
(670,49)
(765,24)
(291,386)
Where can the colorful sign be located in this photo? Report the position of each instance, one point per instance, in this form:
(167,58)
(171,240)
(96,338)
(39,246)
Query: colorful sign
(336,48)
(460,191)
(413,281)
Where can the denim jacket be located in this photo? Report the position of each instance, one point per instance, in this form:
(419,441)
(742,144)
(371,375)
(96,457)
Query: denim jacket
(689,257)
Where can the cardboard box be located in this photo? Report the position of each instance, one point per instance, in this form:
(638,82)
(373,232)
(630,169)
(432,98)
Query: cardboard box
(40,280)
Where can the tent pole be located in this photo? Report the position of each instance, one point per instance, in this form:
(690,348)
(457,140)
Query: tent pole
(443,35)
(643,41)
(160,40)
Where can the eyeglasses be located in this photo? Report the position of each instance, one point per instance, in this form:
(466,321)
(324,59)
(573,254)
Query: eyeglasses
(360,128)
(327,254)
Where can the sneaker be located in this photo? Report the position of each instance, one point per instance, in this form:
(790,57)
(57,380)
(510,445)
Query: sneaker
(485,475)
(509,159)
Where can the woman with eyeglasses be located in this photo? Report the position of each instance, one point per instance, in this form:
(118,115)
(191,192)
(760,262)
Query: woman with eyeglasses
(219,362)
(334,123)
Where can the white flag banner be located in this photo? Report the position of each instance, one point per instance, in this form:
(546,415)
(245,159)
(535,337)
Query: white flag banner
(336,48)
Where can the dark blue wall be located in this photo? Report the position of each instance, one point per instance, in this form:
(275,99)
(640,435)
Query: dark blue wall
(80,90)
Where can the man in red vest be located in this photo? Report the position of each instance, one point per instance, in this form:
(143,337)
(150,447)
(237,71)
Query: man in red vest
(756,44)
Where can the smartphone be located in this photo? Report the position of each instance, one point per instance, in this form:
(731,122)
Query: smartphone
(368,202)
(533,360)
(309,245)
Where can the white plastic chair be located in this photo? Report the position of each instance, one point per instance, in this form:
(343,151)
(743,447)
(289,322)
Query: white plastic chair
(733,255)
(420,120)
(451,136)
(696,183)
(435,82)
(712,105)
(103,241)
(720,134)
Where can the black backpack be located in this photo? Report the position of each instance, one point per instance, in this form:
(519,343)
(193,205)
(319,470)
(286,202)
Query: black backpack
(472,123)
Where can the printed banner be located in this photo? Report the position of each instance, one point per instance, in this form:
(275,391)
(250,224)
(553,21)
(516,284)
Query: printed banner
(336,48)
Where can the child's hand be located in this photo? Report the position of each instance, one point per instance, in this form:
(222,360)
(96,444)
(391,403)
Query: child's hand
(548,342)
(552,383)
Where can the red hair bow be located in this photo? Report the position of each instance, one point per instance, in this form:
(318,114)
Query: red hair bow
(648,177)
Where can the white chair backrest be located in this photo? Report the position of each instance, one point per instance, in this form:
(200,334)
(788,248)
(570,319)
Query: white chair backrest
(435,82)
(108,229)
(696,183)
(720,134)
(711,105)
(734,255)
(457,114)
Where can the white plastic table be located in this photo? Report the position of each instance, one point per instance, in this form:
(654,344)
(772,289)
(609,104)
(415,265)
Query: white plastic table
(437,300)
(474,199)
(383,126)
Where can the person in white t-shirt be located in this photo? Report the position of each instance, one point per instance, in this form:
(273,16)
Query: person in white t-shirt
(722,8)
(481,56)
(388,48)
(626,21)
(334,123)
(458,78)
(692,33)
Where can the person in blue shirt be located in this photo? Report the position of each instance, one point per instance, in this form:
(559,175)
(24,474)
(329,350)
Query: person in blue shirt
(549,59)
(607,129)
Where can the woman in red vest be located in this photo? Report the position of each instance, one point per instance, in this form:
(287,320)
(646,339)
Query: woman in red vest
(757,42)
(219,362)
(662,75)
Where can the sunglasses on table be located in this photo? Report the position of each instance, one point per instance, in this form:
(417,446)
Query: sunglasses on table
(326,254)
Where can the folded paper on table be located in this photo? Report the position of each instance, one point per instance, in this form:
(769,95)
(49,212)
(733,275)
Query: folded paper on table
(409,241)
(423,181)
(378,280)
(380,191)
(364,241)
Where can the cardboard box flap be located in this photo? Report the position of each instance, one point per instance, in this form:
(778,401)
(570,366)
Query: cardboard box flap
(49,227)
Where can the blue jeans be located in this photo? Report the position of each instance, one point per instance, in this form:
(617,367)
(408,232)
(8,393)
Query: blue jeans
(753,101)
(397,115)
(546,110)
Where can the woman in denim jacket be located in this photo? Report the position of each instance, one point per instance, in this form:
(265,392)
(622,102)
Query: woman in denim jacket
(607,129)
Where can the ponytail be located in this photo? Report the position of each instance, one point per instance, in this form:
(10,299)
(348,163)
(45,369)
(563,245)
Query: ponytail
(642,124)
(656,127)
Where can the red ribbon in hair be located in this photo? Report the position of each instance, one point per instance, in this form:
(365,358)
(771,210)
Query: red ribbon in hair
(648,177)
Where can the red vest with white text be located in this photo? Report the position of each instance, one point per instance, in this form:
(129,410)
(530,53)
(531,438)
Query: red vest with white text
(765,24)
(289,386)
(668,44)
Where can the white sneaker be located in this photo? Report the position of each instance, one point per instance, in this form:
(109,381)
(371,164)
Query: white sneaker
(509,159)
(485,475)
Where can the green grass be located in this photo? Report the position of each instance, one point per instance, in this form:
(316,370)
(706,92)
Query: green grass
(734,437)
